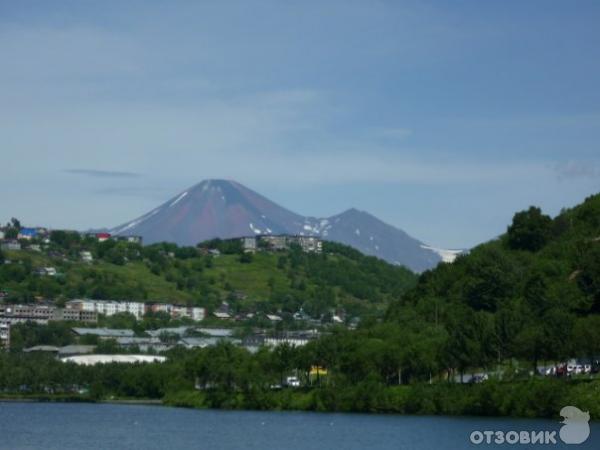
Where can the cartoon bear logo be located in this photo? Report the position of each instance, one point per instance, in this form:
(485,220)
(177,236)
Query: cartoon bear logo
(576,428)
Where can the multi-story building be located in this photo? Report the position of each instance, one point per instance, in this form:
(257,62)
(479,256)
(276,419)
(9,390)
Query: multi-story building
(159,307)
(274,242)
(75,315)
(4,334)
(191,312)
(108,307)
(11,245)
(308,244)
(131,239)
(86,256)
(137,309)
(249,244)
(25,313)
(42,314)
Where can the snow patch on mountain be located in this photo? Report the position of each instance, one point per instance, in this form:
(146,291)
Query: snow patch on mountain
(448,256)
(178,199)
(256,230)
(134,223)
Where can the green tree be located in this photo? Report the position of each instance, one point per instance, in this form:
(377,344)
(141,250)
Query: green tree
(530,230)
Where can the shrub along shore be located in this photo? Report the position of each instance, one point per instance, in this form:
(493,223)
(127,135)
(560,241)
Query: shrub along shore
(535,398)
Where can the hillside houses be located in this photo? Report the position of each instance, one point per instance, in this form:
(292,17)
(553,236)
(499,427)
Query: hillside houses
(137,309)
(10,245)
(104,236)
(43,313)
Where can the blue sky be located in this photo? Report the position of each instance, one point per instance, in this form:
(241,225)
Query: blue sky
(441,118)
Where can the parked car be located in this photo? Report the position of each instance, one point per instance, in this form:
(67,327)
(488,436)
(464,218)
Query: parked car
(479,378)
(292,382)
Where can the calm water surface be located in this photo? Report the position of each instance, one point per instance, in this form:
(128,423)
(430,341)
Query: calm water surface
(90,426)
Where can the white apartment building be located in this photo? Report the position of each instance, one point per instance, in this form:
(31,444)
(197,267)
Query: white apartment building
(4,334)
(138,309)
(192,312)
(108,307)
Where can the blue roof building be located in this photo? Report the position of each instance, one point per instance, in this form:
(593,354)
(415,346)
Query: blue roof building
(27,233)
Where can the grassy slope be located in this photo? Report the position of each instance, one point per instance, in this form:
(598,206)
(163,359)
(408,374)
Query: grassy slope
(260,280)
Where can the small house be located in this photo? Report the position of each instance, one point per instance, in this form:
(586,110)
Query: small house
(27,233)
(86,256)
(10,246)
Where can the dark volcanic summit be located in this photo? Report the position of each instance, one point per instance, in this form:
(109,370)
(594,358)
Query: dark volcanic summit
(226,209)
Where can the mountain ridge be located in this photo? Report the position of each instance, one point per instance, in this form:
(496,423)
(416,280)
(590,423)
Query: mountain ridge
(218,208)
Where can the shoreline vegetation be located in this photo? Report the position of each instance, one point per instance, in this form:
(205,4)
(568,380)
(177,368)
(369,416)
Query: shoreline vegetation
(535,398)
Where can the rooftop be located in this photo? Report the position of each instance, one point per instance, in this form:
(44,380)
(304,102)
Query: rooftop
(103,332)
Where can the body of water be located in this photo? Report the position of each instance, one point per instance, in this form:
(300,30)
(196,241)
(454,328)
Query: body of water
(104,426)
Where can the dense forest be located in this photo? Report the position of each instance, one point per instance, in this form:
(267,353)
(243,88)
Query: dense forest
(533,293)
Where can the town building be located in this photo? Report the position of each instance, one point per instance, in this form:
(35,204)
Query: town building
(203,342)
(130,239)
(46,271)
(137,309)
(173,331)
(216,332)
(103,333)
(222,315)
(75,350)
(292,338)
(108,307)
(308,244)
(10,245)
(86,256)
(195,313)
(75,315)
(159,307)
(4,334)
(42,314)
(42,349)
(101,237)
(249,244)
(27,233)
(274,243)
(27,313)
(144,344)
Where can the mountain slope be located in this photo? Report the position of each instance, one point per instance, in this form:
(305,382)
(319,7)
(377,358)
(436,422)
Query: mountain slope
(374,237)
(226,209)
(210,209)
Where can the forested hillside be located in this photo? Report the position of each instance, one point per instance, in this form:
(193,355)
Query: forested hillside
(533,293)
(265,282)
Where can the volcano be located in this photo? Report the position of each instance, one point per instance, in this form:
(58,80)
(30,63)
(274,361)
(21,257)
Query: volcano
(226,209)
